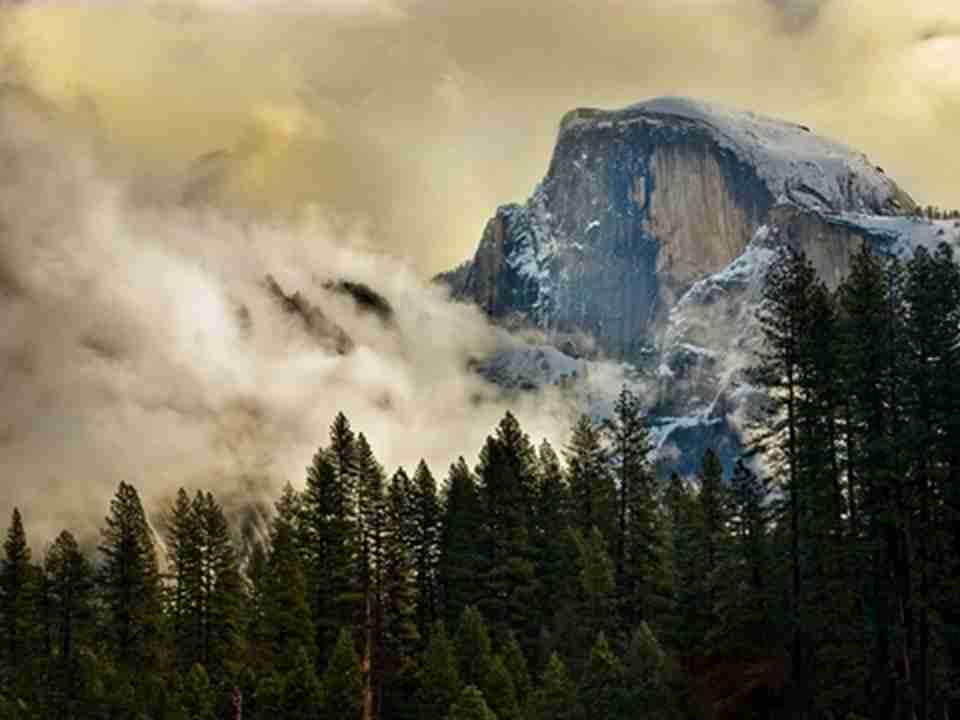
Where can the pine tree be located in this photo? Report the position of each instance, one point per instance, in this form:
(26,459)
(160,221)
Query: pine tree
(302,693)
(70,579)
(784,324)
(183,549)
(500,691)
(556,696)
(460,559)
(592,490)
(688,623)
(637,550)
(426,546)
(342,683)
(221,591)
(328,534)
(129,583)
(471,705)
(287,628)
(196,698)
(507,480)
(372,541)
(439,676)
(400,629)
(16,606)
(257,574)
(713,513)
(554,557)
(743,583)
(600,693)
(516,665)
(474,649)
(648,690)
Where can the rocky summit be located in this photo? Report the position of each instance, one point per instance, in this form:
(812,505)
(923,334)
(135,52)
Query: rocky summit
(651,233)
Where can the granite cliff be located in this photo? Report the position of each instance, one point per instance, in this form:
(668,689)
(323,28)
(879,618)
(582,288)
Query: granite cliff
(650,234)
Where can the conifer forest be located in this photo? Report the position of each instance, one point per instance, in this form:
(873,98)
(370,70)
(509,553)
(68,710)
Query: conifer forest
(820,579)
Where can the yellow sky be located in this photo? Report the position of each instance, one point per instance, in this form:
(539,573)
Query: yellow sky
(417,117)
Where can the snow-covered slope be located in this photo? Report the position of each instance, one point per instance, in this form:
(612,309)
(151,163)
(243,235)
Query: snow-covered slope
(796,164)
(651,234)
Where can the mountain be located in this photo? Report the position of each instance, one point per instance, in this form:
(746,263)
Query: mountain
(650,235)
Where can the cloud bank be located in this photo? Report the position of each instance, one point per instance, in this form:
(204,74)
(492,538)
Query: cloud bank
(420,116)
(161,159)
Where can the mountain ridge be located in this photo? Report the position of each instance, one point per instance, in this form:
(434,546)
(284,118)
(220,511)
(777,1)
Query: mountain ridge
(650,234)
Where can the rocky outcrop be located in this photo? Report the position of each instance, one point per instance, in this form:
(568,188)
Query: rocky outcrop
(640,203)
(651,233)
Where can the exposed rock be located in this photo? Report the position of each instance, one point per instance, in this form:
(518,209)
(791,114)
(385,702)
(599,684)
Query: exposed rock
(640,203)
(651,233)
(313,320)
(366,298)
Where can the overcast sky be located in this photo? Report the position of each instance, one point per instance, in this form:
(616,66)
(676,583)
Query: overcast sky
(418,117)
(367,139)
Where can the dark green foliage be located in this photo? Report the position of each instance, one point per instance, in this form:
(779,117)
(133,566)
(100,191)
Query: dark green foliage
(17,595)
(500,691)
(302,693)
(439,675)
(825,588)
(342,682)
(556,696)
(471,705)
(637,549)
(129,584)
(424,542)
(71,622)
(516,665)
(286,625)
(205,593)
(474,649)
(460,553)
(506,488)
(601,689)
(592,490)
(327,534)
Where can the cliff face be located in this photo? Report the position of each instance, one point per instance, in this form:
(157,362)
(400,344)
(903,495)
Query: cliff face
(640,203)
(652,232)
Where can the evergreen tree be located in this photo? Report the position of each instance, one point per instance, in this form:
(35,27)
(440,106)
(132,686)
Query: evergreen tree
(637,551)
(257,574)
(220,598)
(592,490)
(713,514)
(372,542)
(129,583)
(600,693)
(460,558)
(342,683)
(474,649)
(287,627)
(426,546)
(555,566)
(498,687)
(328,535)
(516,665)
(17,582)
(741,603)
(183,578)
(302,693)
(556,696)
(70,579)
(471,705)
(597,583)
(400,628)
(507,480)
(439,677)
